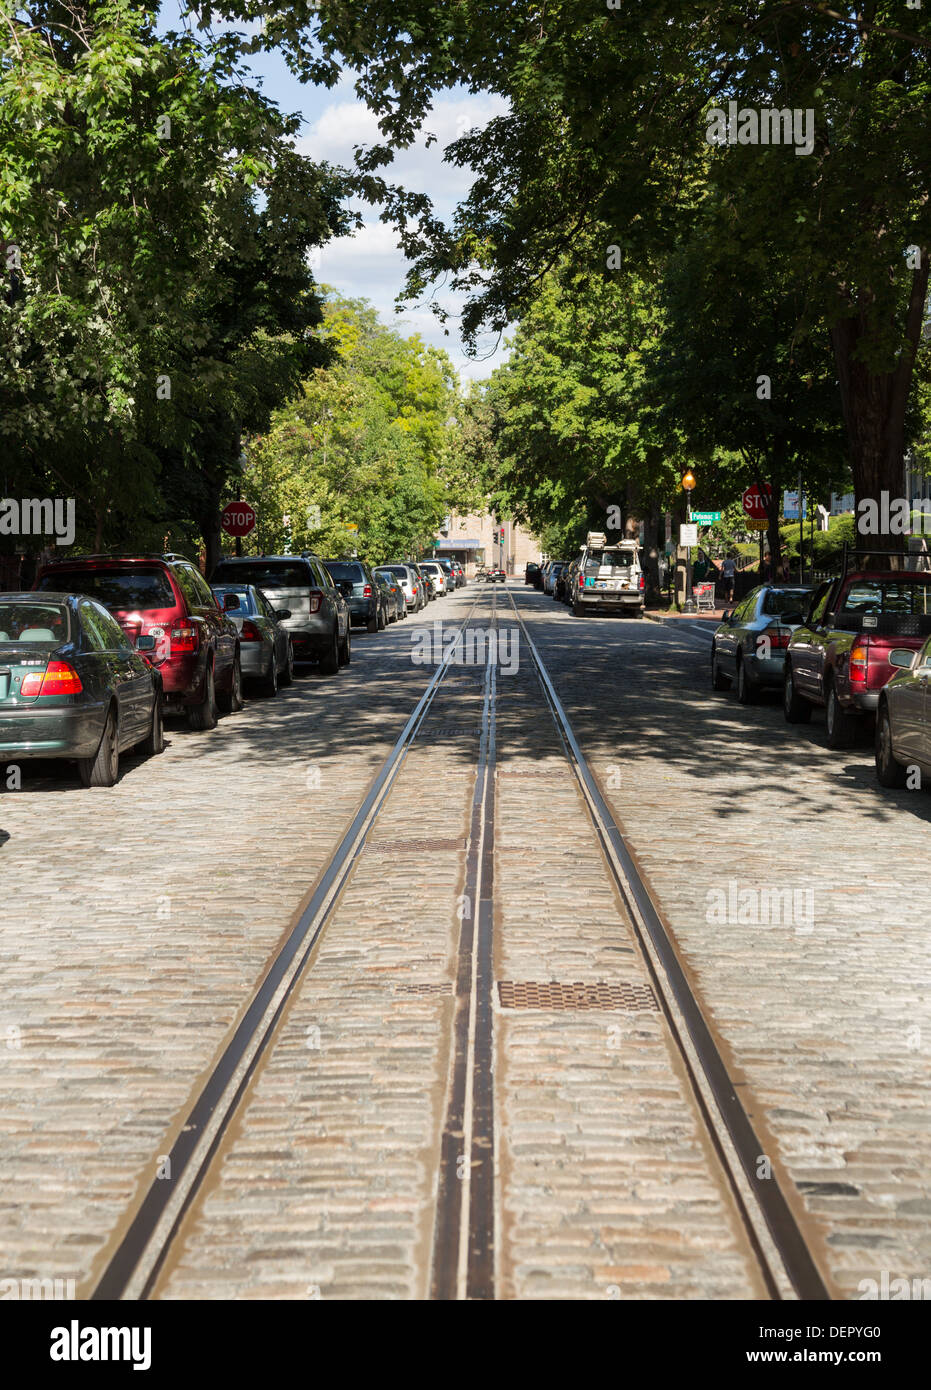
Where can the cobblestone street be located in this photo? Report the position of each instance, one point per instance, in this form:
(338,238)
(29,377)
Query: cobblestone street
(132,940)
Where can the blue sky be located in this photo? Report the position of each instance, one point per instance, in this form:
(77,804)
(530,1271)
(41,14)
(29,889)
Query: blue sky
(370,265)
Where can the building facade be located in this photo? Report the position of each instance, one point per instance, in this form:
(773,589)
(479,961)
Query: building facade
(477,540)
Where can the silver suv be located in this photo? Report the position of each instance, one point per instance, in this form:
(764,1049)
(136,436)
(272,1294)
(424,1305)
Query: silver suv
(609,577)
(319,614)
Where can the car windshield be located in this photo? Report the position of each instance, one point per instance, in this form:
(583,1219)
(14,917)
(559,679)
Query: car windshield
(264,574)
(245,598)
(779,601)
(341,570)
(135,588)
(34,624)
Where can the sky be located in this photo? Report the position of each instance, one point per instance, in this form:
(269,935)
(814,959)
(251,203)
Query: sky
(369,265)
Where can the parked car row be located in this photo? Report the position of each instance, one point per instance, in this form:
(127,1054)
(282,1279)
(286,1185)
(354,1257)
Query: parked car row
(105,645)
(858,646)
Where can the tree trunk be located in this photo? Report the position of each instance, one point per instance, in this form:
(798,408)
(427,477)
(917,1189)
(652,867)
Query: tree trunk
(874,403)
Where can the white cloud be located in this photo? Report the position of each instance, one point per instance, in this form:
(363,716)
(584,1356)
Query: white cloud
(370,264)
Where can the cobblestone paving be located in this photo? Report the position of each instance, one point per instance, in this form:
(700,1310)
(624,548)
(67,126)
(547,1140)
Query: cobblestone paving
(134,923)
(827,1019)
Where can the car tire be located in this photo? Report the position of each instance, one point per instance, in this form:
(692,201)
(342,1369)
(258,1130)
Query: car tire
(889,771)
(842,726)
(746,690)
(577,610)
(287,675)
(718,679)
(203,716)
(329,661)
(103,769)
(270,679)
(372,625)
(345,648)
(154,741)
(382,620)
(231,701)
(795,709)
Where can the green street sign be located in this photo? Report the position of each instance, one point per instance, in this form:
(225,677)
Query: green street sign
(706,518)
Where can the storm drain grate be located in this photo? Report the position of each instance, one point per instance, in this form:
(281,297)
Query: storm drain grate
(550,994)
(408,846)
(449,731)
(445,987)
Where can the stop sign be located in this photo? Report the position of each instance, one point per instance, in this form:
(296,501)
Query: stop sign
(754,503)
(238,518)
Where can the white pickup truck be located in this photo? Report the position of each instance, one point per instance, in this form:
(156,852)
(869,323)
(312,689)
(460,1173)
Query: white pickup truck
(609,578)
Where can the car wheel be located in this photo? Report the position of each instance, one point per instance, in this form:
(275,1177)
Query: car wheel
(889,771)
(270,679)
(373,624)
(577,610)
(795,709)
(746,690)
(154,741)
(204,716)
(382,620)
(287,675)
(103,769)
(345,648)
(231,701)
(841,724)
(718,679)
(329,662)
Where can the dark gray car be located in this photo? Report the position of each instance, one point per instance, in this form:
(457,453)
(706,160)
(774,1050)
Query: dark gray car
(264,643)
(319,621)
(749,646)
(903,719)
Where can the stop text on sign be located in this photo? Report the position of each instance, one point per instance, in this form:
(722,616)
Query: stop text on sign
(238,518)
(755,503)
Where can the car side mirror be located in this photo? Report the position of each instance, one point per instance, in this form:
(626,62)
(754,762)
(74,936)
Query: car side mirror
(230,601)
(726,616)
(282,613)
(902,657)
(146,643)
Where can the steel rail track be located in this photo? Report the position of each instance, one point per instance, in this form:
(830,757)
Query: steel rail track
(676,998)
(134,1265)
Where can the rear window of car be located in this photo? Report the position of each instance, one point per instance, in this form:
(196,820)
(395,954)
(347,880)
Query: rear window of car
(431,568)
(622,559)
(876,596)
(245,598)
(400,570)
(779,601)
(265,574)
(343,570)
(34,624)
(135,588)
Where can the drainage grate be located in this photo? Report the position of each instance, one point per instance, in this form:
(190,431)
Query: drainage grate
(445,987)
(550,994)
(407,846)
(449,731)
(531,771)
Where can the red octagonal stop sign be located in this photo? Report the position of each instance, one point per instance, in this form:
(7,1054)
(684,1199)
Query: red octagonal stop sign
(754,503)
(238,518)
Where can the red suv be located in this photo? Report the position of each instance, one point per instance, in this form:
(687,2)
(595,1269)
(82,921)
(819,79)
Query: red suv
(167,597)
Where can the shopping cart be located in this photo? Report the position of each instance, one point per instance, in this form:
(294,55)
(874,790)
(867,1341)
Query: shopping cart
(703,595)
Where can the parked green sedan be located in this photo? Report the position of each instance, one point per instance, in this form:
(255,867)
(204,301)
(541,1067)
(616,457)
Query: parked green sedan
(73,686)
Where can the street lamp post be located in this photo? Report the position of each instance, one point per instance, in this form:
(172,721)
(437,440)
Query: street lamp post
(688,482)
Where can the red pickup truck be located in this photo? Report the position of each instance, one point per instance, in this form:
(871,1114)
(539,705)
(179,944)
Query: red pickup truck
(839,656)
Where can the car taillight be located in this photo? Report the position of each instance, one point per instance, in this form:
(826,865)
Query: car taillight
(59,679)
(185,639)
(249,632)
(779,636)
(413,588)
(642,585)
(316,598)
(581,582)
(858,664)
(367,591)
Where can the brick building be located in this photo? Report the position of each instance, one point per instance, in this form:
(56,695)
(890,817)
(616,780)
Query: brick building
(475,540)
